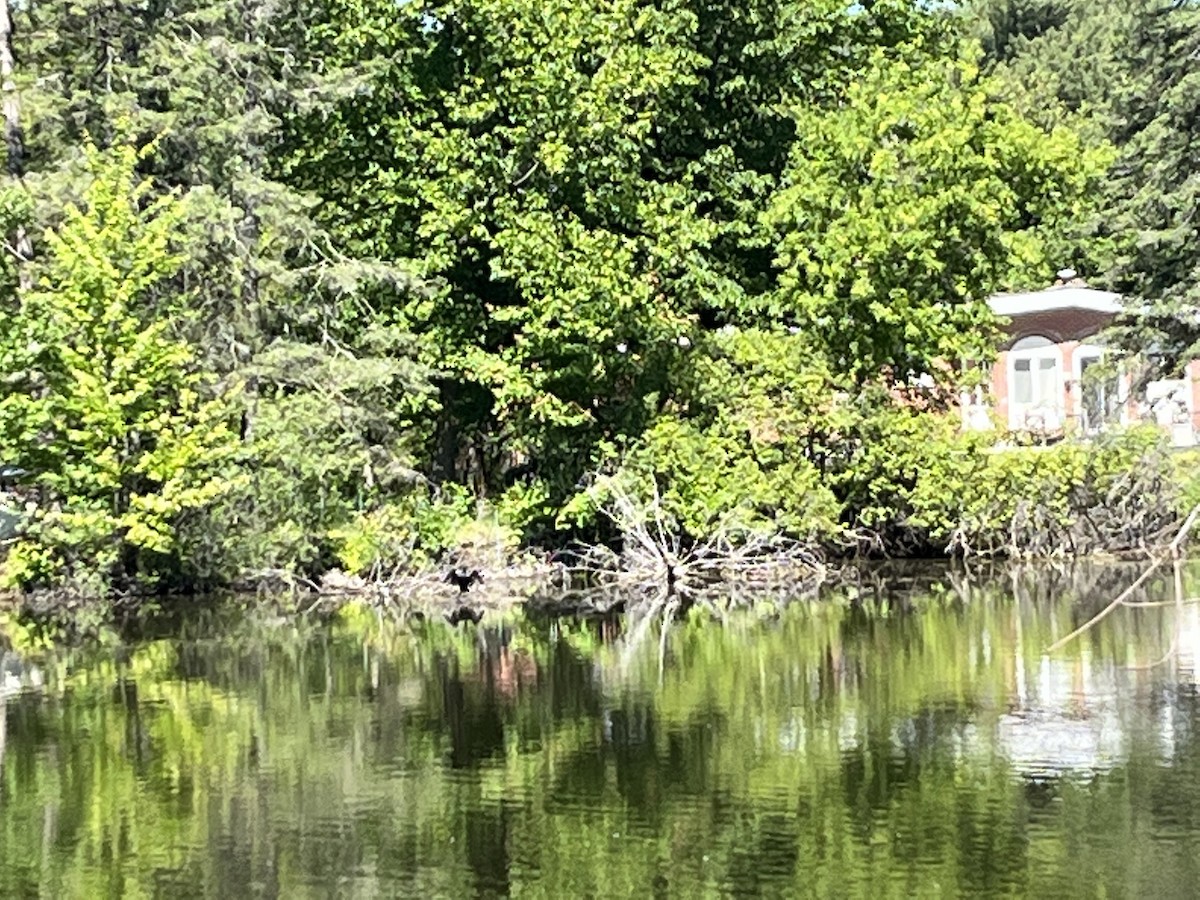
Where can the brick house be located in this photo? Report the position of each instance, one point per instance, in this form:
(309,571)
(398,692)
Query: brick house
(1037,382)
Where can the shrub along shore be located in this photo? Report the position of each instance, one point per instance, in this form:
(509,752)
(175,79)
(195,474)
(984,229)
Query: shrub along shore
(694,527)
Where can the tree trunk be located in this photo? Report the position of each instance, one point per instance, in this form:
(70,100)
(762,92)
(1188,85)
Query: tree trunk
(14,138)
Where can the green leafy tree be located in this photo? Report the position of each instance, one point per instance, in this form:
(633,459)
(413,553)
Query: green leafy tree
(109,409)
(510,148)
(581,184)
(906,206)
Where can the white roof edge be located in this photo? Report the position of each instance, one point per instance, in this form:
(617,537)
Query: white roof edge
(1055,298)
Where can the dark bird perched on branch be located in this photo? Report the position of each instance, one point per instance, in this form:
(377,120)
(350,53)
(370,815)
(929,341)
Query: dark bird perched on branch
(463,578)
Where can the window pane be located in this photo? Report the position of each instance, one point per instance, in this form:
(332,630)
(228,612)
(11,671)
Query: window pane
(1099,394)
(1047,381)
(1033,342)
(1022,382)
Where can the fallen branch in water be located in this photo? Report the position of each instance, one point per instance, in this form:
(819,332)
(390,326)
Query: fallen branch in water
(403,594)
(1176,632)
(1122,598)
(660,569)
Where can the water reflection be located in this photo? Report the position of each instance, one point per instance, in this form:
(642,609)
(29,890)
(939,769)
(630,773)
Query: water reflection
(908,738)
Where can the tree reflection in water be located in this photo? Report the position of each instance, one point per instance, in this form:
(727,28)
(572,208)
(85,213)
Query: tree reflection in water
(907,738)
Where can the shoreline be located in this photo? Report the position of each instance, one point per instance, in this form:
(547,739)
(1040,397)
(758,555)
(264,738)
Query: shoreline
(546,591)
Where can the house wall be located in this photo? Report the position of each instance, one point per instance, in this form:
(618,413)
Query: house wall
(1068,329)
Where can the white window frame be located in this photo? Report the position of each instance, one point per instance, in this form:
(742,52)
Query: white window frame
(1018,412)
(1083,353)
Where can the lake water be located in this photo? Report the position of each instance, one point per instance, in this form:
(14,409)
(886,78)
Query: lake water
(917,741)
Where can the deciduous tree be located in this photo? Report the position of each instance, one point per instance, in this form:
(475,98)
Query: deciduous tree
(112,413)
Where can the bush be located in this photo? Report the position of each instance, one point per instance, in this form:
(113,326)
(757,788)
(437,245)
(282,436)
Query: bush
(705,479)
(402,535)
(1117,493)
(733,448)
(759,436)
(881,454)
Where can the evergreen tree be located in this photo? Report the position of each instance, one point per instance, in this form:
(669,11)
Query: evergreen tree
(1129,74)
(1153,214)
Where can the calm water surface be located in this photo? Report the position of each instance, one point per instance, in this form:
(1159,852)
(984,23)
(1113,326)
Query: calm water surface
(915,742)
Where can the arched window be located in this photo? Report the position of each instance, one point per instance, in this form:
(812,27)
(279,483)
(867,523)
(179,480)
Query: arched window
(1035,386)
(1033,342)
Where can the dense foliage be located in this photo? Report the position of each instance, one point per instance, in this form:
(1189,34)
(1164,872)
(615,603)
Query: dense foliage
(298,285)
(118,423)
(1124,72)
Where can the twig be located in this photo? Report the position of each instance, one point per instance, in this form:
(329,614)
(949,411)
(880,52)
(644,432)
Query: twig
(1148,604)
(1183,531)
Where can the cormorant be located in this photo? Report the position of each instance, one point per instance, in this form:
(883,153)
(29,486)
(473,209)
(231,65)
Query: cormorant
(463,578)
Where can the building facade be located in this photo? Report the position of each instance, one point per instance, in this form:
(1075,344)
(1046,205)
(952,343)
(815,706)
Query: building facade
(1050,378)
